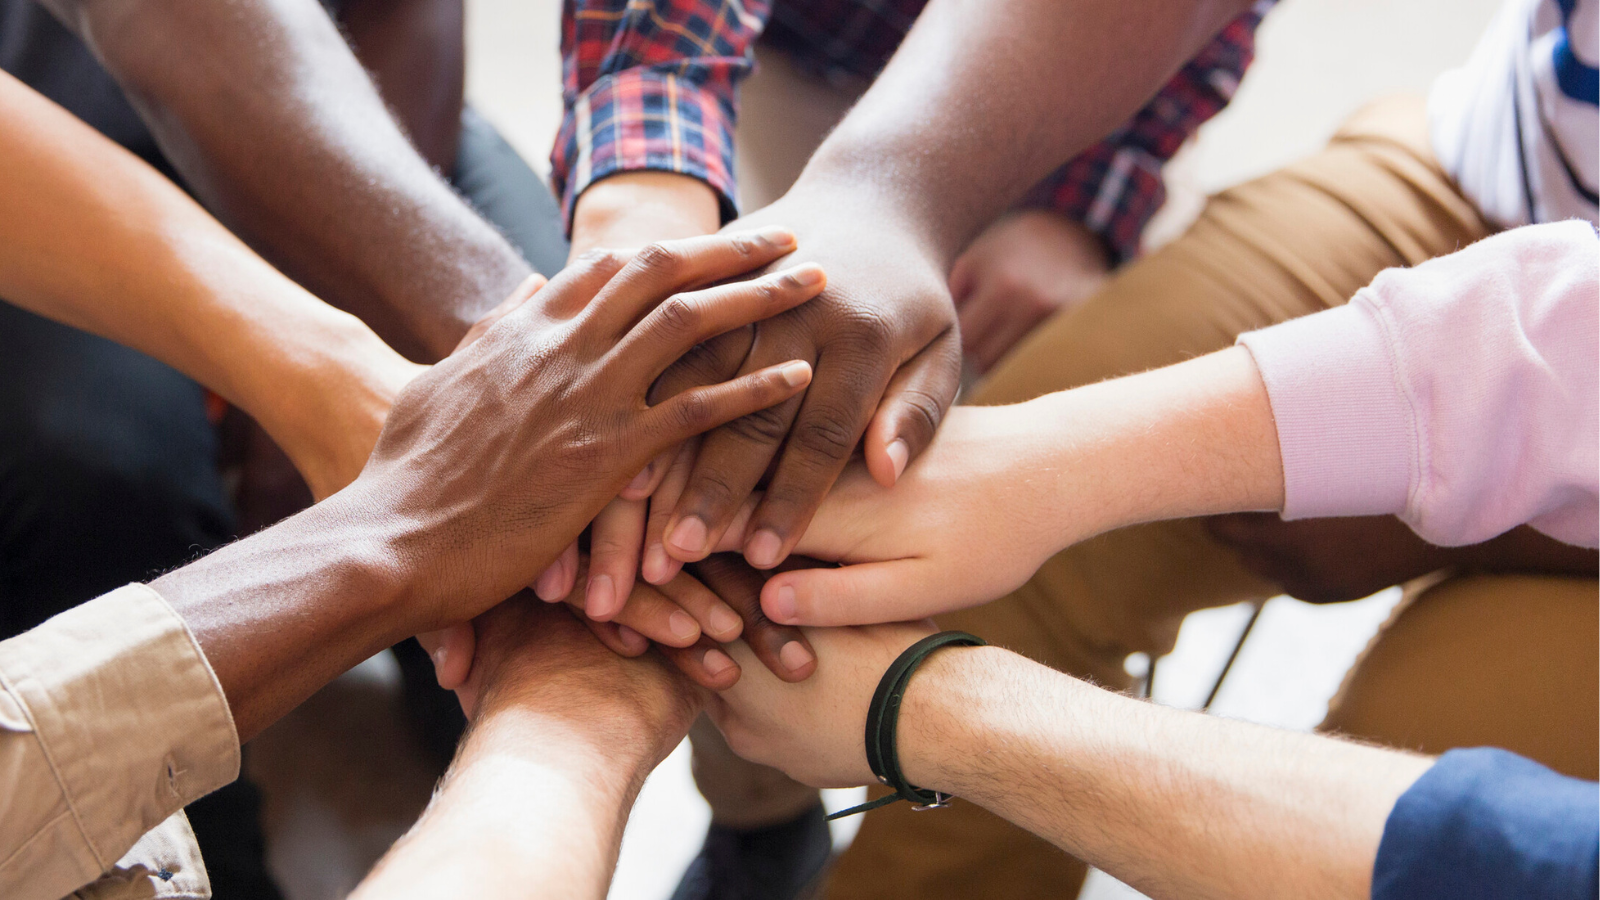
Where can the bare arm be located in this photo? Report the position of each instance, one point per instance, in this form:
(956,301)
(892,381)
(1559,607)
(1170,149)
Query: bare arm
(273,123)
(92,236)
(541,788)
(1177,804)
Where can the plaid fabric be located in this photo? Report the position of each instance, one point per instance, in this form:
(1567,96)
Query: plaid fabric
(652,84)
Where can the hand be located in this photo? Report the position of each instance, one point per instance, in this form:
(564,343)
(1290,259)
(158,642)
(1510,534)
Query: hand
(1025,268)
(497,457)
(813,731)
(526,649)
(964,525)
(884,339)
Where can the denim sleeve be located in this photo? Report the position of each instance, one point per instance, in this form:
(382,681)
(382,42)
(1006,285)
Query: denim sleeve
(1485,823)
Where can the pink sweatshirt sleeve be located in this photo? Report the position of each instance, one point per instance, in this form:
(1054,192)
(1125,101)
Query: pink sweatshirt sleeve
(1460,395)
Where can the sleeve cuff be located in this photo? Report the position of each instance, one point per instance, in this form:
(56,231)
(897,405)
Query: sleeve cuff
(1345,428)
(1488,823)
(127,710)
(642,120)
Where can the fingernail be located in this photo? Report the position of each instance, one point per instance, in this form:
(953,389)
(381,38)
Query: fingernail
(776,235)
(654,567)
(899,454)
(545,586)
(782,607)
(599,599)
(725,621)
(806,275)
(641,480)
(631,639)
(716,662)
(683,625)
(763,548)
(795,656)
(689,535)
(795,373)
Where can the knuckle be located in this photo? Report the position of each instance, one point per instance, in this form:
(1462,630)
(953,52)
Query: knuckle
(711,491)
(923,412)
(600,259)
(827,435)
(679,315)
(694,411)
(766,426)
(660,257)
(870,332)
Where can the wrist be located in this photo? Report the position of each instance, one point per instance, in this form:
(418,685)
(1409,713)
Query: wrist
(941,717)
(632,209)
(330,404)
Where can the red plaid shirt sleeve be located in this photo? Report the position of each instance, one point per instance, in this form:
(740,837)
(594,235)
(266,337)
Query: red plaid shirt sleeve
(651,84)
(1115,187)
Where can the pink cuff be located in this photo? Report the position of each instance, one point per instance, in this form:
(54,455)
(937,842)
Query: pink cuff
(1345,428)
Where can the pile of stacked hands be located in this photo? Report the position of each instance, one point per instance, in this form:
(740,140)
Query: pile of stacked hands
(709,466)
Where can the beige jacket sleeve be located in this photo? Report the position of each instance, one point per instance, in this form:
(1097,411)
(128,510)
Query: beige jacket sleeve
(111,721)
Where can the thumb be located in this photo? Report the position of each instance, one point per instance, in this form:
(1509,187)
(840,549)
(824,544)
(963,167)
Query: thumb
(451,650)
(912,408)
(864,594)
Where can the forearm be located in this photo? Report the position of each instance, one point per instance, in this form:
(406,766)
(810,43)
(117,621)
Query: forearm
(530,801)
(281,613)
(278,129)
(970,72)
(416,52)
(1174,803)
(1187,440)
(95,238)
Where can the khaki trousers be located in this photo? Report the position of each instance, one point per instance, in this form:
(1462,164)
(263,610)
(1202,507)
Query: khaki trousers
(1508,661)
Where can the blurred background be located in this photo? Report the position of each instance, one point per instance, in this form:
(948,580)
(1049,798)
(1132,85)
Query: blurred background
(339,779)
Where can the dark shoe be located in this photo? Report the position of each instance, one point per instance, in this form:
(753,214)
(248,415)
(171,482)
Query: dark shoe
(780,862)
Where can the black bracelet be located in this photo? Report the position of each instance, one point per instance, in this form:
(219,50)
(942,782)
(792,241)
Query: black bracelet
(883,719)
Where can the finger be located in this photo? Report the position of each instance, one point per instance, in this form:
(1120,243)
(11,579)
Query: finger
(825,434)
(709,362)
(782,649)
(572,290)
(912,408)
(701,409)
(617,638)
(524,291)
(649,478)
(658,567)
(865,594)
(706,664)
(660,269)
(451,650)
(717,619)
(962,279)
(1004,333)
(652,614)
(685,320)
(556,582)
(979,316)
(615,539)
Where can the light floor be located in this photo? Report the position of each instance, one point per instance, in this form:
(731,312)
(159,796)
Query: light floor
(342,778)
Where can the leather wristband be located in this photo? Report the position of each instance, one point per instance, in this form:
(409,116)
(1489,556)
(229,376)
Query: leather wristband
(883,720)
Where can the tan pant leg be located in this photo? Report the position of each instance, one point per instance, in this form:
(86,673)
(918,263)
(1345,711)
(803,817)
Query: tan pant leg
(1484,660)
(1290,243)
